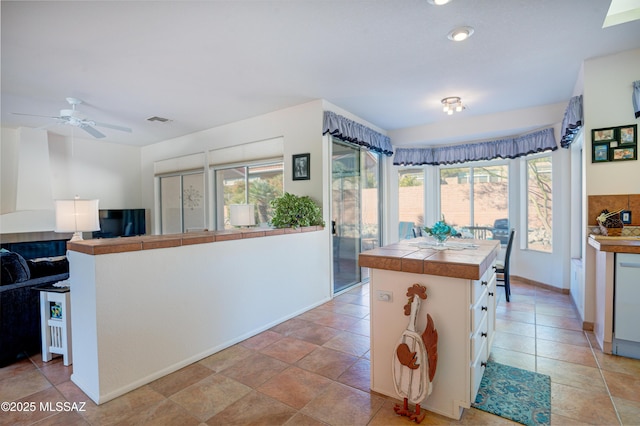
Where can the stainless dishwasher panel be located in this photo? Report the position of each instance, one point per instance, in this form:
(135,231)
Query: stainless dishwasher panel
(627,305)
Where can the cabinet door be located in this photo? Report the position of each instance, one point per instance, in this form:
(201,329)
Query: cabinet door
(627,295)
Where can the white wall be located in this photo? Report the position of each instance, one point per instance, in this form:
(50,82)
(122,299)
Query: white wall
(607,103)
(88,168)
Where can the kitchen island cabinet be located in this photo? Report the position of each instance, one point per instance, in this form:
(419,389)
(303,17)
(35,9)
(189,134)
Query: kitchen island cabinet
(461,299)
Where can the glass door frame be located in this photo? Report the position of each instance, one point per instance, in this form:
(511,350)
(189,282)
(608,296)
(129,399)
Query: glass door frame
(363,277)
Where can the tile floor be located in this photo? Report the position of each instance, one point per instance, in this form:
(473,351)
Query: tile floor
(314,369)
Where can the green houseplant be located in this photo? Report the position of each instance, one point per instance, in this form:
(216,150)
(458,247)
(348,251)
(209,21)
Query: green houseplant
(293,211)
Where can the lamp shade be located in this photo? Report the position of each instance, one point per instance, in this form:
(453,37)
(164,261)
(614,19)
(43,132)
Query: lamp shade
(242,215)
(77,216)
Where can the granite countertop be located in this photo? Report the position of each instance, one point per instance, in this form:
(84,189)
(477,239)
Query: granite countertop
(412,256)
(625,244)
(148,242)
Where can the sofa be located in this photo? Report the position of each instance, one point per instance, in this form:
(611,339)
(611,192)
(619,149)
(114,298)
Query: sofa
(25,267)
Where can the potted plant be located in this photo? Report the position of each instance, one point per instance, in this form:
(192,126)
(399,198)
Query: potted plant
(293,211)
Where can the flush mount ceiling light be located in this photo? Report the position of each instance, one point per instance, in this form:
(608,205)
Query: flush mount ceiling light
(460,33)
(451,104)
(438,2)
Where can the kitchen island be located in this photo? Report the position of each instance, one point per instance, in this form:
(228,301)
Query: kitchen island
(461,299)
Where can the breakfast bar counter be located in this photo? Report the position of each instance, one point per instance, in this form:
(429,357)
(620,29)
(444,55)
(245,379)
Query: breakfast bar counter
(460,284)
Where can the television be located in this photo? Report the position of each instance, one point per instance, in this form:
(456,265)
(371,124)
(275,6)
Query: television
(121,223)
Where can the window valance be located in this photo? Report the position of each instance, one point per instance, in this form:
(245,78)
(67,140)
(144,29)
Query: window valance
(636,98)
(572,122)
(356,133)
(542,140)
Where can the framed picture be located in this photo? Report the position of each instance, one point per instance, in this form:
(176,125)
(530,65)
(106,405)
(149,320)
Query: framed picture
(628,135)
(603,135)
(600,153)
(625,217)
(624,153)
(301,169)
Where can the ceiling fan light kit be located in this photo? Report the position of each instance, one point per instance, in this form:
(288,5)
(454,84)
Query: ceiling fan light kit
(438,2)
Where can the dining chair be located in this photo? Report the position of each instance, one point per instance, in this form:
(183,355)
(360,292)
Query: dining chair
(502,267)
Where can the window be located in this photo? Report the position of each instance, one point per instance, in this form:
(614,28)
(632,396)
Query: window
(182,201)
(539,203)
(255,184)
(476,200)
(410,199)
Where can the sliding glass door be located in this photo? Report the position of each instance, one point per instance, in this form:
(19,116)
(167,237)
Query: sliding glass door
(355,211)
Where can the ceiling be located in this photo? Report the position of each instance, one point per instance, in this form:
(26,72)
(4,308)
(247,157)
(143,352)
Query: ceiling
(207,63)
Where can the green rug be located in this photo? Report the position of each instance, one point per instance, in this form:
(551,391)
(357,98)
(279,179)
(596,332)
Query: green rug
(515,394)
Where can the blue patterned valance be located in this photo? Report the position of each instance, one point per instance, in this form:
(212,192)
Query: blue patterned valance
(572,122)
(636,98)
(542,140)
(356,133)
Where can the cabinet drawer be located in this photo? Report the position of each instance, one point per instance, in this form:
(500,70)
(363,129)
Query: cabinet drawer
(480,286)
(479,339)
(477,370)
(479,311)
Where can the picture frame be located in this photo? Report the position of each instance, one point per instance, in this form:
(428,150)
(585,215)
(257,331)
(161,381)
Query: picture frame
(628,135)
(603,135)
(600,153)
(625,217)
(624,153)
(301,166)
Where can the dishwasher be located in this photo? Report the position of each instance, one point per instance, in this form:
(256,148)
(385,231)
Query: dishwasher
(626,320)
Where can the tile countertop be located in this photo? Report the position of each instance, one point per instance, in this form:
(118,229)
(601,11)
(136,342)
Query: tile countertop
(148,242)
(615,244)
(407,256)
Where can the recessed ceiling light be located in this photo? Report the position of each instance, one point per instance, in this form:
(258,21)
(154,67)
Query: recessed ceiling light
(438,2)
(460,33)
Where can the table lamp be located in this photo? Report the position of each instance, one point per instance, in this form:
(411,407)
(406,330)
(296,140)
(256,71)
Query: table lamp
(242,215)
(77,216)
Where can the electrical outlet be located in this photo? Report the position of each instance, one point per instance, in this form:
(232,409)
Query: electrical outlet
(384,296)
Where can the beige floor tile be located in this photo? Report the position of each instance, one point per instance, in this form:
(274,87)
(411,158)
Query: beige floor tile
(350,343)
(629,411)
(582,405)
(125,407)
(315,333)
(623,385)
(515,327)
(618,364)
(386,416)
(289,326)
(343,405)
(302,420)
(515,342)
(262,340)
(43,406)
(65,418)
(477,417)
(338,321)
(176,381)
(23,384)
(295,386)
(358,375)
(327,362)
(289,349)
(226,358)
(56,372)
(563,352)
(562,335)
(166,412)
(555,310)
(570,374)
(255,370)
(361,327)
(512,315)
(210,396)
(16,368)
(514,358)
(559,322)
(254,409)
(350,309)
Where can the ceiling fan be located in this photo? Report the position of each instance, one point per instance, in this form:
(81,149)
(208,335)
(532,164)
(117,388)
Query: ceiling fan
(73,117)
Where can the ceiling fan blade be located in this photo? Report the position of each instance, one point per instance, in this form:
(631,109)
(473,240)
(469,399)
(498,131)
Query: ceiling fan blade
(35,115)
(93,132)
(113,126)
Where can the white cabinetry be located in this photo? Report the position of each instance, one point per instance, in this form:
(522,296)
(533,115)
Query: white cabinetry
(463,312)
